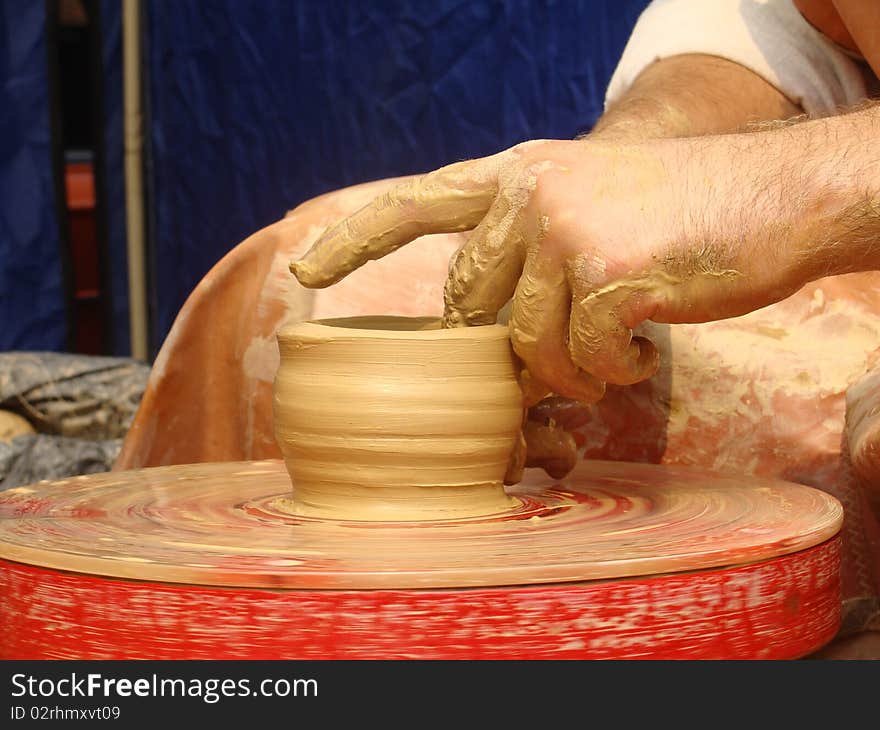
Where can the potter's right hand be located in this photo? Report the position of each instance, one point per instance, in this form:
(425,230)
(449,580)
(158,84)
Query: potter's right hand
(500,198)
(588,239)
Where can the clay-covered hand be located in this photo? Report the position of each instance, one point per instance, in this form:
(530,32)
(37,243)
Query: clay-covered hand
(544,442)
(548,441)
(588,239)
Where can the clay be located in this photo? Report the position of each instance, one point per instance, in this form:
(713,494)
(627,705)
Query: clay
(394,418)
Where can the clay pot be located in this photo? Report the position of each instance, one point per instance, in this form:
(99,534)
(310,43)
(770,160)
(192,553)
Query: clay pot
(394,418)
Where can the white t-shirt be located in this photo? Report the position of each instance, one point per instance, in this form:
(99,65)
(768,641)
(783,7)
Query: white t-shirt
(770,37)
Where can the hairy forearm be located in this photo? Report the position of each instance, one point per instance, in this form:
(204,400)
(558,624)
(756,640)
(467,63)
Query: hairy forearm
(790,204)
(692,95)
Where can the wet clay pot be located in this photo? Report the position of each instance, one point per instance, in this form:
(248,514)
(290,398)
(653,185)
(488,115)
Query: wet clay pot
(394,418)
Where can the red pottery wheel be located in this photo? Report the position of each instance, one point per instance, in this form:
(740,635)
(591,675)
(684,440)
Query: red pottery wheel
(618,560)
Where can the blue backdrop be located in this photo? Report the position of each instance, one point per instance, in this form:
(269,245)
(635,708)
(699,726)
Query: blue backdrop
(32,291)
(257,106)
(114,170)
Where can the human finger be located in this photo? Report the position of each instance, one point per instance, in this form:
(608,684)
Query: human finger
(486,269)
(601,340)
(453,198)
(539,328)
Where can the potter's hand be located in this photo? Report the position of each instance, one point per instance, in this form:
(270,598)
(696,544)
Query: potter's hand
(588,238)
(546,440)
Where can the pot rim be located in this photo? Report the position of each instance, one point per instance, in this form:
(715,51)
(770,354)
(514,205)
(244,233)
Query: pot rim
(388,327)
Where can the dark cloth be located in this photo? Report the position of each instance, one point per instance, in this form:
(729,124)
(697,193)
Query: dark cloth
(34,457)
(80,406)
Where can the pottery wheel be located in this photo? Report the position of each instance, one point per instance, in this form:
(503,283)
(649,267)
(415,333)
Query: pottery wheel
(616,560)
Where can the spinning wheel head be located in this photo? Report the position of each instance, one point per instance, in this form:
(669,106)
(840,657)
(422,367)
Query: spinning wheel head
(228,524)
(617,561)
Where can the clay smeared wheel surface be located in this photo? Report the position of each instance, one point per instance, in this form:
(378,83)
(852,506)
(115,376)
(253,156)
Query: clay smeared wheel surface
(225,524)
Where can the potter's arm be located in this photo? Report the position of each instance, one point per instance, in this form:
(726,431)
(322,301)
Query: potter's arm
(680,96)
(689,68)
(691,95)
(591,238)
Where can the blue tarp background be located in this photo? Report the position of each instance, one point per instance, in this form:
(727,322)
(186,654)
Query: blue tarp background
(32,292)
(257,106)
(114,172)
